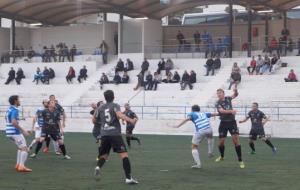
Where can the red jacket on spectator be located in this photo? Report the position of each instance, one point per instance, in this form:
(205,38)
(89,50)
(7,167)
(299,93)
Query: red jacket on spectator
(253,63)
(292,76)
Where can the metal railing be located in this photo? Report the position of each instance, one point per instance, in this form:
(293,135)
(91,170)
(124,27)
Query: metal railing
(288,113)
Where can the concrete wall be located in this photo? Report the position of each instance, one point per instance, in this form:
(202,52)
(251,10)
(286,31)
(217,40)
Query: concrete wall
(132,37)
(152,35)
(4,40)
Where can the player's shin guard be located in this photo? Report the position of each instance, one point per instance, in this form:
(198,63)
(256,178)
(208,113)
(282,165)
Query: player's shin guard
(38,147)
(238,150)
(47,139)
(252,146)
(101,162)
(63,149)
(196,157)
(210,143)
(222,150)
(19,157)
(127,168)
(24,155)
(268,142)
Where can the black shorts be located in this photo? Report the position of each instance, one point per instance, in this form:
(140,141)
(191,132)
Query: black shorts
(112,142)
(260,132)
(228,126)
(129,130)
(55,135)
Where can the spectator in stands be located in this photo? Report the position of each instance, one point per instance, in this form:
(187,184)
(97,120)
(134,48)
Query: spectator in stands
(205,37)
(73,52)
(193,77)
(103,80)
(51,73)
(273,46)
(169,65)
(45,77)
(157,79)
(235,77)
(291,77)
(285,32)
(217,62)
(161,65)
(46,55)
(210,66)
(66,52)
(282,46)
(82,74)
(71,74)
(252,66)
(274,61)
(60,52)
(104,51)
(181,40)
(290,45)
(176,77)
(149,81)
(197,39)
(19,76)
(11,76)
(266,66)
(30,53)
(298,44)
(116,41)
(125,77)
(97,51)
(145,66)
(37,76)
(226,44)
(117,79)
(219,47)
(140,81)
(53,53)
(185,81)
(169,78)
(210,50)
(120,66)
(129,65)
(259,64)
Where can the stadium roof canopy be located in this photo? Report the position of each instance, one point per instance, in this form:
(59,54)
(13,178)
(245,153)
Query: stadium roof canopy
(59,12)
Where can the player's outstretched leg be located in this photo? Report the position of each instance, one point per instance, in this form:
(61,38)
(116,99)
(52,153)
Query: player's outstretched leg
(63,149)
(252,146)
(196,156)
(127,169)
(221,149)
(37,149)
(268,142)
(238,149)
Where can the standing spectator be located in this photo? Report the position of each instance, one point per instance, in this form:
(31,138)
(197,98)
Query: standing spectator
(217,62)
(19,76)
(45,78)
(205,37)
(37,76)
(73,52)
(219,47)
(149,81)
(161,65)
(71,74)
(51,73)
(120,66)
(145,66)
(129,65)
(140,81)
(125,78)
(53,53)
(193,77)
(197,39)
(104,51)
(210,50)
(66,52)
(11,76)
(285,32)
(169,66)
(82,74)
(60,52)
(103,80)
(252,66)
(117,78)
(282,46)
(156,80)
(273,46)
(209,66)
(291,77)
(185,81)
(46,55)
(226,44)
(259,64)
(290,45)
(181,40)
(116,41)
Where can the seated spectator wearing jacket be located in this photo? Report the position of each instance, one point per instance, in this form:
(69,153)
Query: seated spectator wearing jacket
(37,76)
(129,65)
(235,77)
(125,78)
(149,81)
(71,74)
(117,78)
(19,76)
(169,65)
(210,66)
(185,81)
(275,62)
(161,65)
(252,66)
(51,73)
(145,66)
(266,66)
(176,77)
(82,74)
(120,66)
(169,78)
(193,77)
(103,80)
(11,76)
(291,77)
(45,77)
(217,62)
(259,64)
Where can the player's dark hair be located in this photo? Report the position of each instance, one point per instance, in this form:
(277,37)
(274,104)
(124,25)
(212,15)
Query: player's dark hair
(255,103)
(196,108)
(220,90)
(51,96)
(109,96)
(13,99)
(99,103)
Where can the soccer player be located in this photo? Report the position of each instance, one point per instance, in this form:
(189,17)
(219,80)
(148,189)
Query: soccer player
(203,130)
(258,120)
(228,124)
(129,127)
(16,133)
(37,123)
(52,127)
(111,138)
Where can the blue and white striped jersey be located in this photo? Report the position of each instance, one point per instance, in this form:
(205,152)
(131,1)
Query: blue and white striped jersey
(12,113)
(39,117)
(200,119)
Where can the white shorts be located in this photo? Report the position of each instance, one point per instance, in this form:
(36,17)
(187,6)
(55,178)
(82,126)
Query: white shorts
(198,137)
(38,132)
(19,140)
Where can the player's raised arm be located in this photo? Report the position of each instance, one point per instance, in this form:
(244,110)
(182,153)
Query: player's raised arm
(235,93)
(122,116)
(244,120)
(183,122)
